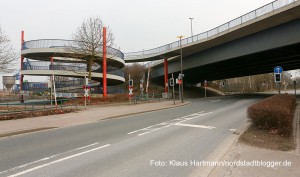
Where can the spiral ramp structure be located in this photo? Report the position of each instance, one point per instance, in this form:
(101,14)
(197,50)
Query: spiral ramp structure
(49,57)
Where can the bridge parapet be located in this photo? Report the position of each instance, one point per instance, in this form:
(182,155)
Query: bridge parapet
(159,52)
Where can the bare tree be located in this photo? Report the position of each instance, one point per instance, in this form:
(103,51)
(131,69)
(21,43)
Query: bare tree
(89,40)
(136,72)
(7,54)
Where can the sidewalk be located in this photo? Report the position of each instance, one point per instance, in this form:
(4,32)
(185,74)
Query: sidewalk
(239,151)
(91,114)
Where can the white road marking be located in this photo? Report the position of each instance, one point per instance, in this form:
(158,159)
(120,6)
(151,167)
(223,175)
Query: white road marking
(169,123)
(154,130)
(241,101)
(233,130)
(47,158)
(57,161)
(196,126)
(199,115)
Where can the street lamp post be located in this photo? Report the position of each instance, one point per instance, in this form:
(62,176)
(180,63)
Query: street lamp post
(191,27)
(180,37)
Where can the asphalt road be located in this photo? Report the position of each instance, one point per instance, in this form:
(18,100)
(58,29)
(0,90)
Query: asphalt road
(163,143)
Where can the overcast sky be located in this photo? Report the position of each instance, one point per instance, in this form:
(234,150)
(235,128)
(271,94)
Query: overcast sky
(136,24)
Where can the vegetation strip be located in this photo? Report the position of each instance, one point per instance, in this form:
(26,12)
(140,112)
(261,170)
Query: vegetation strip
(272,123)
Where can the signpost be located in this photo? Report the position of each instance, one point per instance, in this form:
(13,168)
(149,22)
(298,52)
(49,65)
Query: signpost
(278,69)
(205,85)
(142,87)
(86,89)
(180,82)
(285,84)
(130,89)
(295,85)
(172,84)
(180,86)
(277,76)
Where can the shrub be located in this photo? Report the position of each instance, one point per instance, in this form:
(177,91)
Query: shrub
(275,112)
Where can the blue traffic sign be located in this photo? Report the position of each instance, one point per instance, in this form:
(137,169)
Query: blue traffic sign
(278,69)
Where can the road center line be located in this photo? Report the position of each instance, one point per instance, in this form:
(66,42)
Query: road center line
(57,161)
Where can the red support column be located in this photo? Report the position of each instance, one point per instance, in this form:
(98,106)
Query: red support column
(51,60)
(21,68)
(104,64)
(166,74)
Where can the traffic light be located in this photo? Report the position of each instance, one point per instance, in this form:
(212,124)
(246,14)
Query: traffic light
(172,82)
(277,77)
(130,82)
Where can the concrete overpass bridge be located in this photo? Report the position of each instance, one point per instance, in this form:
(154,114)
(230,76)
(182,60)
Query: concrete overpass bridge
(251,44)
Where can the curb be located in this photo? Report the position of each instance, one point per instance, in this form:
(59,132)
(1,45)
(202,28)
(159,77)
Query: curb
(41,129)
(159,109)
(296,127)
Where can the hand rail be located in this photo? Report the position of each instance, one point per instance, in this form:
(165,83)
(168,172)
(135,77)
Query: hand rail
(211,33)
(62,43)
(42,65)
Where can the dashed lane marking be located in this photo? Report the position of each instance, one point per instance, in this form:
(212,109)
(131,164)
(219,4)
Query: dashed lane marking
(177,121)
(57,161)
(47,158)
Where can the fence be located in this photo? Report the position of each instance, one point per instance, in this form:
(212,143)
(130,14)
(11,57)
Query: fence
(8,107)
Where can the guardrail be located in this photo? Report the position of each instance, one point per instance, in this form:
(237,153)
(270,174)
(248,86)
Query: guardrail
(40,65)
(40,86)
(147,98)
(61,43)
(43,87)
(211,33)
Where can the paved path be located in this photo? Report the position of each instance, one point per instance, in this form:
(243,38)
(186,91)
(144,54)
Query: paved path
(92,114)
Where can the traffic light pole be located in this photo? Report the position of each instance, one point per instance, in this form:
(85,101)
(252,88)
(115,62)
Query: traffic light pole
(173,89)
(129,87)
(295,86)
(180,96)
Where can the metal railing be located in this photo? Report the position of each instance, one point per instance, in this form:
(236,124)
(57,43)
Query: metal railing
(61,43)
(40,86)
(34,107)
(211,33)
(41,65)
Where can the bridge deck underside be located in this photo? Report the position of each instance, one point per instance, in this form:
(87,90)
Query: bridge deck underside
(255,54)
